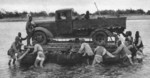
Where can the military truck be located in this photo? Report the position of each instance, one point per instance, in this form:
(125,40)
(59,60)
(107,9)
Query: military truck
(66,25)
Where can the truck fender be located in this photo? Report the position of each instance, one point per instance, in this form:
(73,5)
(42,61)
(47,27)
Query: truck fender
(48,33)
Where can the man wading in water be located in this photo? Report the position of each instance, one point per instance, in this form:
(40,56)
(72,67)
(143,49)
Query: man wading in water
(87,51)
(40,55)
(139,46)
(15,49)
(121,51)
(13,52)
(100,51)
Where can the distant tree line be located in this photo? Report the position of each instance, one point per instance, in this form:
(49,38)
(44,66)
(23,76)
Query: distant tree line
(123,12)
(8,14)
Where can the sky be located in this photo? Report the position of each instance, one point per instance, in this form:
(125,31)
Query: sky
(81,6)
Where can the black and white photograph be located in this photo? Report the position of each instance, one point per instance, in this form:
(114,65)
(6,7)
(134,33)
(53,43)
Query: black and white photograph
(74,38)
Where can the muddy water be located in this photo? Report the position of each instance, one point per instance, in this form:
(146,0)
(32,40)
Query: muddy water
(10,29)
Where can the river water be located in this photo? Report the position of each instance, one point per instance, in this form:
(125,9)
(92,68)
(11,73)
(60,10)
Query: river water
(10,29)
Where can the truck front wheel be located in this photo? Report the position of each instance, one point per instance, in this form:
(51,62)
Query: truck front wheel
(40,37)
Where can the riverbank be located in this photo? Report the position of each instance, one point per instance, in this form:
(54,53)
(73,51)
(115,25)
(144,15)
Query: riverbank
(137,17)
(25,19)
(129,17)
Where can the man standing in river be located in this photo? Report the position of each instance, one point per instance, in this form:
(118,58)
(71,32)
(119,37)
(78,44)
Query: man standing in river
(29,28)
(87,51)
(13,52)
(40,54)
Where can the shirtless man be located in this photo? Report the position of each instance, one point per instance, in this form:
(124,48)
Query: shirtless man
(100,51)
(122,51)
(40,55)
(87,51)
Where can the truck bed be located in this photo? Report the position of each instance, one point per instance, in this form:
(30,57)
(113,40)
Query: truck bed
(100,22)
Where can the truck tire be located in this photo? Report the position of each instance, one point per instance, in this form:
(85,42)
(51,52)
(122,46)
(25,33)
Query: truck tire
(40,37)
(100,34)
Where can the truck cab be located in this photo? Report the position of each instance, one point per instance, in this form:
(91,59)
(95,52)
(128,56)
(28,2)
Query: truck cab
(64,21)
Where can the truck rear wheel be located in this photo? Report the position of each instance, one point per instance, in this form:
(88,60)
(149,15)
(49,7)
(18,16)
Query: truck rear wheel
(99,36)
(40,37)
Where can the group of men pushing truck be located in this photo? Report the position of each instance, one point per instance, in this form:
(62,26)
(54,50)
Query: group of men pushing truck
(15,51)
(127,47)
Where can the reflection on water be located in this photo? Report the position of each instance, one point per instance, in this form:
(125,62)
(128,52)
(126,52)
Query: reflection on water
(10,29)
(82,71)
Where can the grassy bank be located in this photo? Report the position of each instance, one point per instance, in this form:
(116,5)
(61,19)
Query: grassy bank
(129,17)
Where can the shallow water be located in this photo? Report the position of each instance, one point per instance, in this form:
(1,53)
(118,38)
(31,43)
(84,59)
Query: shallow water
(10,29)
